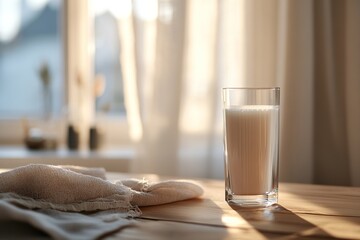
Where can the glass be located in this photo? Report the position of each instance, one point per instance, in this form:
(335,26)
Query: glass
(251,144)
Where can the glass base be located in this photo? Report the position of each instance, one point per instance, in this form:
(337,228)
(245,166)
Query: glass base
(250,201)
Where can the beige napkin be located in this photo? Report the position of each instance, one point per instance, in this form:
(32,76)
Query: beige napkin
(68,204)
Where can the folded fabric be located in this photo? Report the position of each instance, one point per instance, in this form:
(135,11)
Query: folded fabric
(95,172)
(63,192)
(61,225)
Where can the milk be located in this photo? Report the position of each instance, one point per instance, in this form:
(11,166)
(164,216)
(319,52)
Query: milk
(251,149)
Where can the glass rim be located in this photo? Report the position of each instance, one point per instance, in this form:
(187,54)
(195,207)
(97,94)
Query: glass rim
(251,88)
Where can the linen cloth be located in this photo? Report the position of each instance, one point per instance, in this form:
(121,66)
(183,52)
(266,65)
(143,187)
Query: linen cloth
(78,203)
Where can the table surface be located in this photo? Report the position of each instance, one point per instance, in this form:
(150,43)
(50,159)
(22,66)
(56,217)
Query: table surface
(304,211)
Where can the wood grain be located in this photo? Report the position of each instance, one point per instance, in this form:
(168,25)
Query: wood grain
(304,211)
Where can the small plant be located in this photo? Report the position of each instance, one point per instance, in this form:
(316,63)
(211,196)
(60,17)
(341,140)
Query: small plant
(45,77)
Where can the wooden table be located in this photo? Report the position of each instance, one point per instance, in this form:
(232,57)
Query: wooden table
(304,211)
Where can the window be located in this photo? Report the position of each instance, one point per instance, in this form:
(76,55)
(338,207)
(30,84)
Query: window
(35,61)
(107,56)
(31,79)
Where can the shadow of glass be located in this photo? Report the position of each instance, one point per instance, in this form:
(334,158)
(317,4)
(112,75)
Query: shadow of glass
(335,207)
(279,222)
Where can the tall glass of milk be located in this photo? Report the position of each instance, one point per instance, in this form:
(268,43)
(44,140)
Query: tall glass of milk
(251,145)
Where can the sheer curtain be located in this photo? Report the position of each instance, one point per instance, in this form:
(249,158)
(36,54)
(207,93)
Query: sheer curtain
(178,54)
